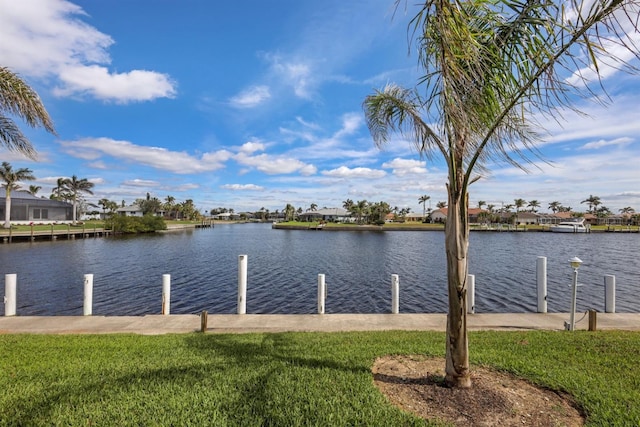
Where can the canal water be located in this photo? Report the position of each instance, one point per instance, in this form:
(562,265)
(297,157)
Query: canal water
(283,266)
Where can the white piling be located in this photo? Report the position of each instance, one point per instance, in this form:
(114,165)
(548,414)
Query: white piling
(541,280)
(10,281)
(166,294)
(242,284)
(322,293)
(609,293)
(471,293)
(88,295)
(395,294)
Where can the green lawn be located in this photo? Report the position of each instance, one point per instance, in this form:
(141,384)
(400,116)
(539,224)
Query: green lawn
(286,379)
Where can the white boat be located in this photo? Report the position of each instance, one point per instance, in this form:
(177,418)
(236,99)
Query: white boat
(570,227)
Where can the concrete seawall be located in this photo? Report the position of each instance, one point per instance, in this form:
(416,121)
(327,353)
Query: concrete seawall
(233,323)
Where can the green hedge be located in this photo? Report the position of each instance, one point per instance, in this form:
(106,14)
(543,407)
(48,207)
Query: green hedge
(132,224)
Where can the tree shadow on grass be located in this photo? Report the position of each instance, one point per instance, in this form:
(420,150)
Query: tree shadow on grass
(237,379)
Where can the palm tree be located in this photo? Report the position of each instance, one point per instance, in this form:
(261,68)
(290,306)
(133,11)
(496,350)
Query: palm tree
(10,180)
(593,202)
(289,212)
(518,203)
(487,66)
(555,206)
(441,205)
(534,205)
(423,200)
(76,186)
(33,189)
(56,192)
(18,99)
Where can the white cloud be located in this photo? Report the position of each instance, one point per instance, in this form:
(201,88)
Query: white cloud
(605,143)
(242,187)
(294,73)
(251,97)
(273,165)
(97,81)
(47,38)
(345,172)
(402,167)
(251,147)
(159,158)
(141,183)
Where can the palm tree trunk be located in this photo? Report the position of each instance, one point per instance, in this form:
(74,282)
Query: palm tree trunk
(456,246)
(7,209)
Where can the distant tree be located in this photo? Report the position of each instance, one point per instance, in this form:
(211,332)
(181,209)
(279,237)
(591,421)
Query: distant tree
(423,201)
(33,189)
(10,178)
(481,203)
(313,207)
(361,210)
(441,205)
(534,205)
(289,212)
(555,206)
(593,202)
(378,212)
(18,99)
(347,204)
(57,191)
(75,187)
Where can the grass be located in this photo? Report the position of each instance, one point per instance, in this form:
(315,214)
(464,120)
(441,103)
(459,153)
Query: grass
(289,379)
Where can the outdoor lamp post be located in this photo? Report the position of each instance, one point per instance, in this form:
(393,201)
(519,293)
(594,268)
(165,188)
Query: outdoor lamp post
(575,264)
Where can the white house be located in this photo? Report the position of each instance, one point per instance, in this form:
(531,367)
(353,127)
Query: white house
(133,210)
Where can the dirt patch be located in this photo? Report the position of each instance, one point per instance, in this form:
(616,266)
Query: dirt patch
(416,384)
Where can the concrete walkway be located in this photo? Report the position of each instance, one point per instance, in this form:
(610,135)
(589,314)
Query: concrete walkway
(233,323)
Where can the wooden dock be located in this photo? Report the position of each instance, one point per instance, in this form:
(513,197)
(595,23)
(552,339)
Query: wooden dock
(70,233)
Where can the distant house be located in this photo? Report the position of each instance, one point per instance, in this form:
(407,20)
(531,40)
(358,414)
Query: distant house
(132,210)
(440,215)
(25,208)
(414,216)
(326,214)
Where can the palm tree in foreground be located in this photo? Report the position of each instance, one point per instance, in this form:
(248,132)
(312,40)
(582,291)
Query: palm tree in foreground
(18,99)
(488,66)
(75,186)
(11,178)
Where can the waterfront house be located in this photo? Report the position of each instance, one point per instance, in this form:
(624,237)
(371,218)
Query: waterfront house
(26,208)
(326,214)
(132,210)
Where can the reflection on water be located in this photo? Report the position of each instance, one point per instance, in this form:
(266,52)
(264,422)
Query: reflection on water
(284,264)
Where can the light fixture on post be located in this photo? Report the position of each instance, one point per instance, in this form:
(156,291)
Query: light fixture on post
(575,264)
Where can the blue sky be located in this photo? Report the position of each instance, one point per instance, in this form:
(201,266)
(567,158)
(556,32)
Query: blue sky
(258,104)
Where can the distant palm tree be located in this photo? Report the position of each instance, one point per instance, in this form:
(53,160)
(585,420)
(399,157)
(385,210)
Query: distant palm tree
(56,192)
(11,178)
(518,203)
(313,207)
(33,189)
(593,202)
(18,99)
(423,200)
(481,203)
(441,205)
(75,186)
(555,206)
(534,204)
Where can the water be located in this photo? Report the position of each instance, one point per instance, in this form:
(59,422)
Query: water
(284,264)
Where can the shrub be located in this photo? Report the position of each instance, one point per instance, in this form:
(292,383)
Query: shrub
(132,224)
